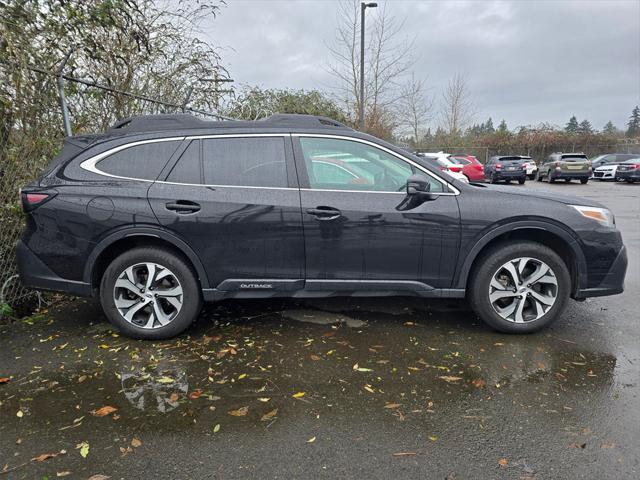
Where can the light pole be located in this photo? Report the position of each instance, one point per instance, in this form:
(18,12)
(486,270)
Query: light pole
(363,7)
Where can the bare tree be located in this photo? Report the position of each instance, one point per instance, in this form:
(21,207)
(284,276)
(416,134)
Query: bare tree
(388,57)
(415,108)
(457,109)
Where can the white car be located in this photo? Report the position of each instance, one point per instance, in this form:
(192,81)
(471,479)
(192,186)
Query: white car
(606,172)
(441,160)
(530,167)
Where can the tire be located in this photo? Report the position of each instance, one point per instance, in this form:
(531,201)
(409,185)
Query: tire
(550,179)
(489,265)
(584,181)
(493,179)
(507,180)
(539,176)
(180,278)
(567,180)
(521,181)
(629,180)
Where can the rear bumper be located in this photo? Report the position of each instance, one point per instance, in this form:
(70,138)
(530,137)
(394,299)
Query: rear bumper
(506,174)
(631,175)
(613,281)
(35,274)
(555,174)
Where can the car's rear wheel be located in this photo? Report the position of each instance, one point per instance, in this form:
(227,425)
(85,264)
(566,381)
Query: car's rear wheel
(150,293)
(539,176)
(521,181)
(583,181)
(519,288)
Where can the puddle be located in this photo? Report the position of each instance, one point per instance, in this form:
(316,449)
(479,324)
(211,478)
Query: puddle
(322,318)
(158,388)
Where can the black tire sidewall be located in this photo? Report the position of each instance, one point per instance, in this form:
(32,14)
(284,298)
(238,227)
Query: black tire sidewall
(192,297)
(481,277)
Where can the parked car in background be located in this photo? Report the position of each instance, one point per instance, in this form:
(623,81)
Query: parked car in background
(629,171)
(605,172)
(162,213)
(611,158)
(471,167)
(530,166)
(505,168)
(443,162)
(565,166)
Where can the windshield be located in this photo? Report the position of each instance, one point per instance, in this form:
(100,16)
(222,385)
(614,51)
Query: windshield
(573,158)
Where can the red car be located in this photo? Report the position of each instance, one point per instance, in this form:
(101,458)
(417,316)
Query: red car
(471,167)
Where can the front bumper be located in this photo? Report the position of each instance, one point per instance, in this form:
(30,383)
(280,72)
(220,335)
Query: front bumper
(35,274)
(606,174)
(613,281)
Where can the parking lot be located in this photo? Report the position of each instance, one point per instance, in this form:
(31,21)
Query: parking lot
(337,388)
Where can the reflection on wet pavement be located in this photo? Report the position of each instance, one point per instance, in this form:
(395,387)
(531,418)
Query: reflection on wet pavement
(158,387)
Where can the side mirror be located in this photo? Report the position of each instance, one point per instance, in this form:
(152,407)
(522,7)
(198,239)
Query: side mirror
(418,184)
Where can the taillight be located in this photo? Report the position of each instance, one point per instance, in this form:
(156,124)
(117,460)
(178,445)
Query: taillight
(498,166)
(636,166)
(32,200)
(524,165)
(455,169)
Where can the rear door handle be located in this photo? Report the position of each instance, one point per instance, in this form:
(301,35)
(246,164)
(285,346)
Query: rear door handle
(324,213)
(183,206)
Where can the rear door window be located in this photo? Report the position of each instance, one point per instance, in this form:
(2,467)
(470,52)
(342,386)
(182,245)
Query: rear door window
(143,161)
(251,162)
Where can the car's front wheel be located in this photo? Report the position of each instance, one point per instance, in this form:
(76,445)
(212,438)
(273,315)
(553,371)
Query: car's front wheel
(150,293)
(519,287)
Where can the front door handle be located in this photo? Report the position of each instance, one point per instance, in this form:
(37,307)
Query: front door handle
(324,213)
(183,206)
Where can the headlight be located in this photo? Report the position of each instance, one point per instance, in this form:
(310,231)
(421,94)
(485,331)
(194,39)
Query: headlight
(601,215)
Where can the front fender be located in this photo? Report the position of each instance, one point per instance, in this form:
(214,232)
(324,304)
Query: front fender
(466,262)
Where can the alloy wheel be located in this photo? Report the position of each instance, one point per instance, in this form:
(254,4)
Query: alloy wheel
(523,290)
(148,295)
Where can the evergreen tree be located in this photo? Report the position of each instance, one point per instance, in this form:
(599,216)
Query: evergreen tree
(502,128)
(585,128)
(572,126)
(488,126)
(609,128)
(633,125)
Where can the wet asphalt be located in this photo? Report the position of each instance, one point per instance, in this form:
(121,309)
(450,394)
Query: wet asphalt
(338,388)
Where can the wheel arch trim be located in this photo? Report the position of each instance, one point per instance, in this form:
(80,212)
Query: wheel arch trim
(462,273)
(153,232)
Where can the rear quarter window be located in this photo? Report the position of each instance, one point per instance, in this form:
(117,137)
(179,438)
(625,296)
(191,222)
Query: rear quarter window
(143,161)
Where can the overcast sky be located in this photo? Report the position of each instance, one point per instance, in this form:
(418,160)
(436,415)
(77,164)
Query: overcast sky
(527,61)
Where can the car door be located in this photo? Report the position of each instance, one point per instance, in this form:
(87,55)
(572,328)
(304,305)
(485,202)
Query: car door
(234,199)
(359,233)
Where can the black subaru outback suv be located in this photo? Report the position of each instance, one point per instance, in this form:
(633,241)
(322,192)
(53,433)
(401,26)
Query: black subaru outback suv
(161,213)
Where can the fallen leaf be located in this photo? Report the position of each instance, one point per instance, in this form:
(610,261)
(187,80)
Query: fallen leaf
(311,440)
(369,389)
(240,412)
(608,445)
(104,411)
(165,380)
(578,445)
(216,429)
(99,477)
(315,358)
(195,394)
(4,380)
(392,405)
(298,395)
(84,449)
(19,414)
(63,474)
(503,462)
(433,438)
(478,383)
(241,376)
(264,399)
(447,378)
(135,443)
(269,415)
(45,456)
(174,397)
(404,454)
